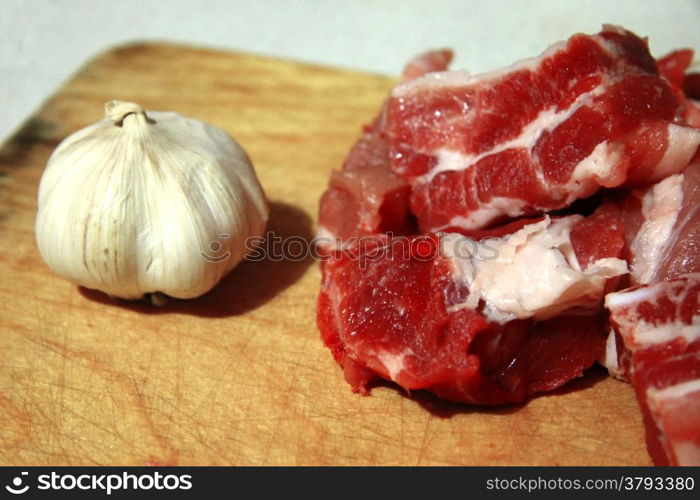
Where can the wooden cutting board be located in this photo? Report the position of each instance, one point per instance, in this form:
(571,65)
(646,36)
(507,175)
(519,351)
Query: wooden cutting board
(239,376)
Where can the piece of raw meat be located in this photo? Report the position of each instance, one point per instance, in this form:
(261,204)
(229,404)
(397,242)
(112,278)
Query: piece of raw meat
(687,86)
(660,327)
(487,320)
(662,228)
(428,62)
(588,113)
(662,236)
(366,197)
(491,315)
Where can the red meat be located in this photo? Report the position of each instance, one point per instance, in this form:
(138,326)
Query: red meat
(428,62)
(366,196)
(660,327)
(399,311)
(452,156)
(686,86)
(588,113)
(662,228)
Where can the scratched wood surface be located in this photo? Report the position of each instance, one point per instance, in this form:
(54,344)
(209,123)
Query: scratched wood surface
(239,376)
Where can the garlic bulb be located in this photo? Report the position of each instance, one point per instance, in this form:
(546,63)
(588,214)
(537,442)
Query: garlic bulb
(138,203)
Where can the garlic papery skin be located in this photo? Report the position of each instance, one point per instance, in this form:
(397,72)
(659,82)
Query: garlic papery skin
(148,202)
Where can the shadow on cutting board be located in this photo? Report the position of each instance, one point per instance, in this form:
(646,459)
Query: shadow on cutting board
(249,285)
(446,409)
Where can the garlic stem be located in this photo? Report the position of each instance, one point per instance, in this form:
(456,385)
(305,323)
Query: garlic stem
(118,110)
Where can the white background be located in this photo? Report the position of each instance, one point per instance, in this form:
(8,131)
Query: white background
(44,41)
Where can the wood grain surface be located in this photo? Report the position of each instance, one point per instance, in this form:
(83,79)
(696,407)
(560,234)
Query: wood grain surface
(239,376)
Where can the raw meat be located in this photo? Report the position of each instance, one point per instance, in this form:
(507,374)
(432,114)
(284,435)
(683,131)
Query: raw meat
(429,62)
(588,113)
(443,313)
(662,228)
(662,236)
(662,231)
(366,196)
(686,86)
(485,313)
(660,327)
